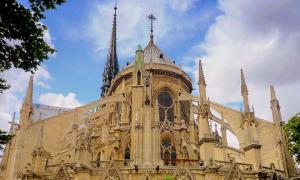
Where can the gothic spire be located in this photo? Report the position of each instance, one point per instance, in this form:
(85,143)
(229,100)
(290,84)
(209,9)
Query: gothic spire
(244,91)
(201,74)
(112,65)
(273,95)
(28,98)
(201,83)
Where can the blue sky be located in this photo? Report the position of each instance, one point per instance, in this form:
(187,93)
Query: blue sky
(262,37)
(78,64)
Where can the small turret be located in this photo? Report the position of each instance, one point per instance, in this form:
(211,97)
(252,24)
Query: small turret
(139,65)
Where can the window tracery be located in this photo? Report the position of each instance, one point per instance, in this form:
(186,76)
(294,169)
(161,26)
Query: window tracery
(168,152)
(166,107)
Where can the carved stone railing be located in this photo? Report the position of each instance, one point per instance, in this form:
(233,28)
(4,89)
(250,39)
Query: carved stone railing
(117,162)
(182,162)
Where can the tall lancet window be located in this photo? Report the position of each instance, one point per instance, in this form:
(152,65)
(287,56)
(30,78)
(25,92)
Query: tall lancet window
(139,78)
(166,107)
(127,154)
(168,152)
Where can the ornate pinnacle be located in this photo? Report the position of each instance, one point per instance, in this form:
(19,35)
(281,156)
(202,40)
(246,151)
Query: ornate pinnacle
(273,95)
(244,89)
(28,98)
(201,77)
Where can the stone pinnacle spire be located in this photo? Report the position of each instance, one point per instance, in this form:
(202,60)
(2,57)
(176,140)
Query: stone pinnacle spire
(244,91)
(28,98)
(112,65)
(201,83)
(273,95)
(201,74)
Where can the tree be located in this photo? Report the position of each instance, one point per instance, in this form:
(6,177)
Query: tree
(4,138)
(292,131)
(22,43)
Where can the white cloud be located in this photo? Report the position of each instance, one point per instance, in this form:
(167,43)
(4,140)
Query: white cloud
(263,38)
(59,100)
(133,27)
(11,99)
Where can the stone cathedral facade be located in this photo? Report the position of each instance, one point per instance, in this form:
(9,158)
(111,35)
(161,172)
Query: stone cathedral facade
(146,126)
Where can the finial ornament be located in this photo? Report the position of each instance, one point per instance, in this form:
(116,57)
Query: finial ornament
(115,8)
(152,18)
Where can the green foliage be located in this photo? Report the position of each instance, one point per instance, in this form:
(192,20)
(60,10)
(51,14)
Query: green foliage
(169,178)
(4,138)
(292,131)
(22,43)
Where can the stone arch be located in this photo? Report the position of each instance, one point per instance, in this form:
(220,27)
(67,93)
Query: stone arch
(167,134)
(183,173)
(163,87)
(112,172)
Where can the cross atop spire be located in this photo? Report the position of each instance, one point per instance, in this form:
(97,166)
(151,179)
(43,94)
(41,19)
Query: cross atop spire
(152,18)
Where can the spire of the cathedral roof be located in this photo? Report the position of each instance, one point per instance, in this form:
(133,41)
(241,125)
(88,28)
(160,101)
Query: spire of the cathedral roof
(28,98)
(112,64)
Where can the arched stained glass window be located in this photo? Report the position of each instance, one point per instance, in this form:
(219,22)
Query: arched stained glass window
(168,152)
(166,107)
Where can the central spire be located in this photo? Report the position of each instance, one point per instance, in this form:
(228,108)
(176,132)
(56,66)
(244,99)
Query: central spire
(152,18)
(112,65)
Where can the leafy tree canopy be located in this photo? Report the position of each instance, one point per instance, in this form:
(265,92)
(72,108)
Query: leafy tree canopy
(292,130)
(4,138)
(22,43)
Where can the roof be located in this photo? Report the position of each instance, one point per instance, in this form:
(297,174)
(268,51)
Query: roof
(152,54)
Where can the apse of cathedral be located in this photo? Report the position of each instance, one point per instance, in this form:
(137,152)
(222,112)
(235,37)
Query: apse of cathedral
(147,125)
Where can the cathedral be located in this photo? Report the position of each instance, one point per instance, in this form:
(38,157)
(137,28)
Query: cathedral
(147,125)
